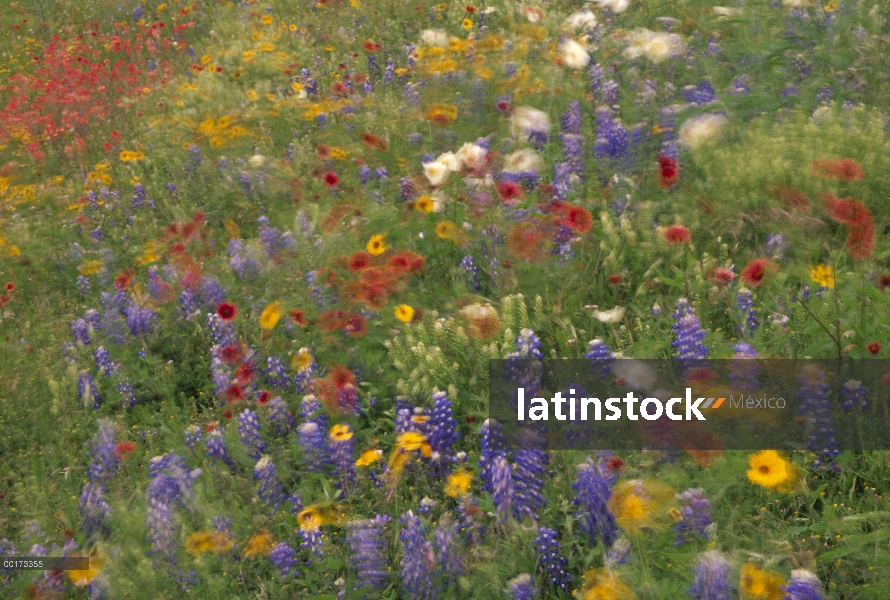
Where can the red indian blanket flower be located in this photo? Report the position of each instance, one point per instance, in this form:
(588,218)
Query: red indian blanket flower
(755,271)
(668,171)
(226,311)
(846,169)
(676,235)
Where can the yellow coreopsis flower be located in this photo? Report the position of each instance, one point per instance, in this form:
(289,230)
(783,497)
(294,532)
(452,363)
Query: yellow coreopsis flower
(770,470)
(271,315)
(458,483)
(84,577)
(316,515)
(602,584)
(375,245)
(424,204)
(302,360)
(340,433)
(823,275)
(252,95)
(261,543)
(640,504)
(467,23)
(447,230)
(131,156)
(757,584)
(404,313)
(91,267)
(369,457)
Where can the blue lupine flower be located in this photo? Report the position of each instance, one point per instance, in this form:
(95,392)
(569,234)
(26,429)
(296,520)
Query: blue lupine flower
(469,523)
(161,528)
(701,94)
(84,285)
(448,552)
(249,432)
(601,358)
(94,510)
(595,77)
(171,481)
(815,408)
(592,492)
(803,585)
(689,335)
(521,587)
(368,553)
(88,390)
(416,574)
(313,445)
(218,449)
(550,562)
(442,428)
(854,394)
(80,331)
(611,137)
(619,553)
(284,557)
(313,541)
(493,444)
(744,301)
(139,319)
(139,195)
(470,271)
(342,447)
(104,364)
(271,490)
(711,578)
(744,370)
(775,245)
(695,515)
(193,435)
(502,483)
(105,462)
(426,506)
(281,419)
(528,480)
(128,396)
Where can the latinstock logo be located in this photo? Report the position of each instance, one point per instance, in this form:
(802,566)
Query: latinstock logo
(592,409)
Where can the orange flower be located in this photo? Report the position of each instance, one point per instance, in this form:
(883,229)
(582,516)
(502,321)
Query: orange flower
(528,241)
(846,169)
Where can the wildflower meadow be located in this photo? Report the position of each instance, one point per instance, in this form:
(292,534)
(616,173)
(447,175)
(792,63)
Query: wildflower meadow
(257,257)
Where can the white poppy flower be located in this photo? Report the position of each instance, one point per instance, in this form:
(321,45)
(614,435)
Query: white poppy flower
(574,55)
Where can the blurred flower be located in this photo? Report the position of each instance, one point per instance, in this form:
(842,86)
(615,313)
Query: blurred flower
(80,578)
(755,271)
(656,46)
(523,161)
(435,37)
(676,235)
(640,504)
(260,544)
(369,457)
(635,374)
(711,577)
(482,320)
(845,169)
(757,584)
(574,54)
(583,19)
(616,6)
(527,121)
(604,584)
(803,585)
(458,483)
(532,13)
(697,130)
(614,315)
(271,315)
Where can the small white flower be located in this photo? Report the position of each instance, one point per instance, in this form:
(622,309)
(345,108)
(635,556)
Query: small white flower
(527,120)
(523,161)
(616,6)
(583,19)
(609,316)
(724,11)
(449,160)
(797,3)
(697,130)
(533,14)
(635,373)
(257,160)
(656,46)
(436,172)
(435,37)
(574,55)
(471,156)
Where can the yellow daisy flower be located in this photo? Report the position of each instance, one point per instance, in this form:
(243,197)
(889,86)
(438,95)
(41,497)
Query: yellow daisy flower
(376,246)
(404,313)
(271,315)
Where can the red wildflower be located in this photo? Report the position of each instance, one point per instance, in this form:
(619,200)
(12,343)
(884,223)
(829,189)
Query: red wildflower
(299,317)
(340,376)
(230,354)
(508,191)
(861,240)
(124,448)
(756,270)
(10,286)
(4,300)
(721,275)
(374,297)
(199,217)
(528,241)
(470,8)
(122,281)
(846,210)
(577,219)
(332,320)
(615,463)
(356,327)
(504,106)
(406,261)
(263,398)
(676,235)
(845,168)
(178,248)
(211,426)
(339,88)
(793,198)
(668,171)
(226,311)
(614,278)
(331,179)
(372,46)
(245,372)
(359,261)
(372,141)
(323,151)
(884,281)
(874,347)
(235,393)
(227,414)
